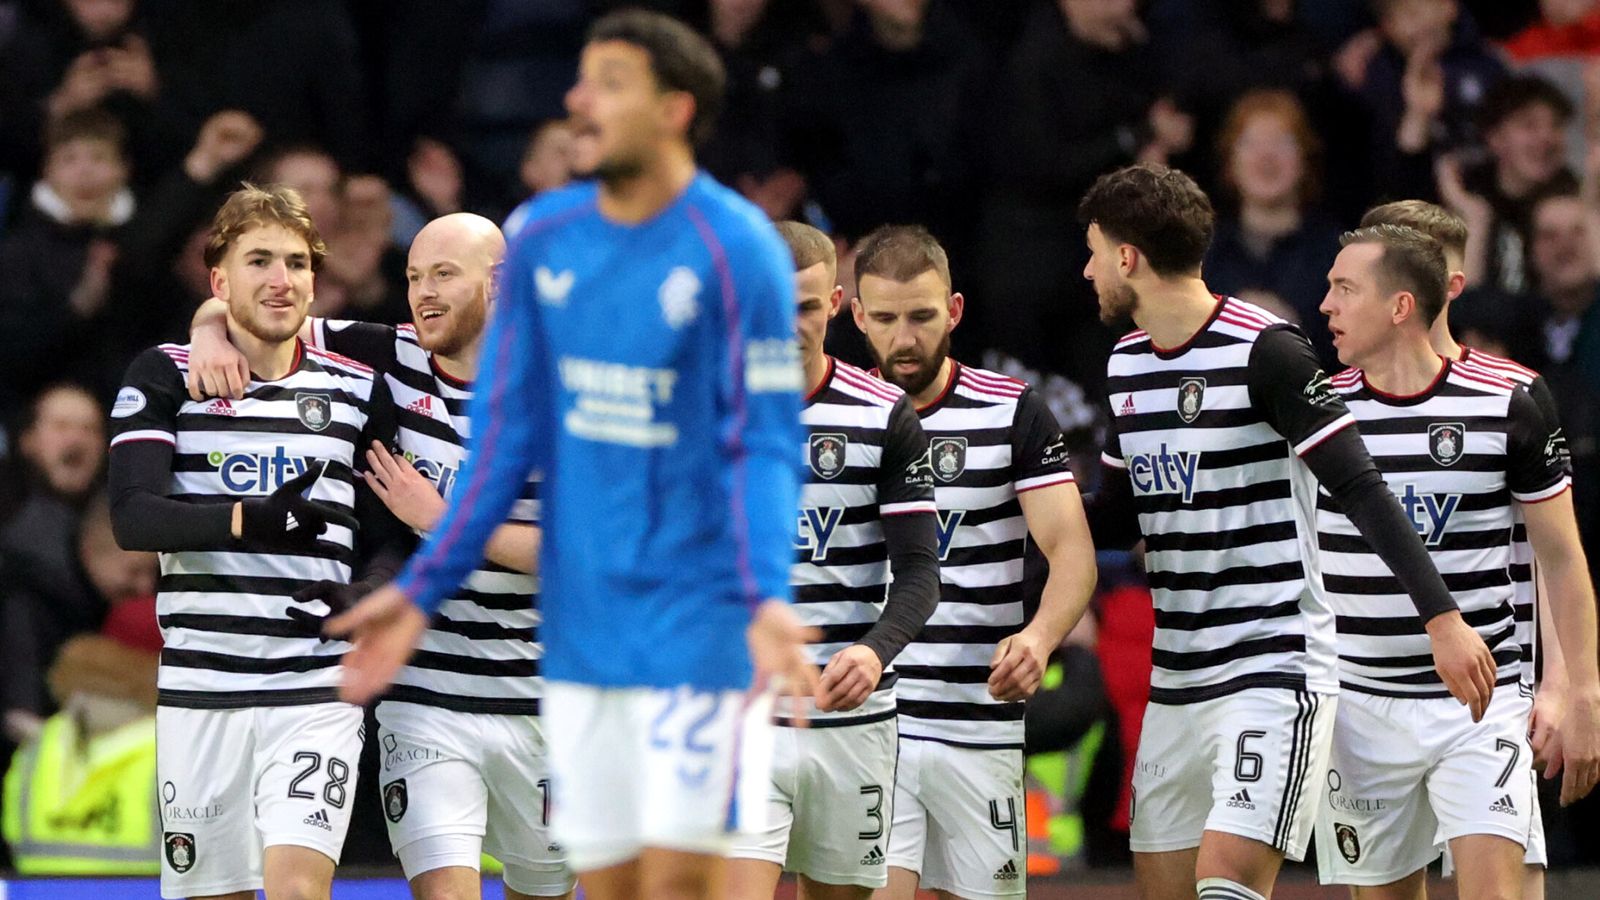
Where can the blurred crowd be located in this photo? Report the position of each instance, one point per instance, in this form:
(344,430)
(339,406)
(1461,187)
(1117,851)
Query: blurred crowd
(123,122)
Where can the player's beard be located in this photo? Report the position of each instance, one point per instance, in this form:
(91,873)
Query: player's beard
(1117,304)
(613,172)
(927,370)
(467,327)
(245,313)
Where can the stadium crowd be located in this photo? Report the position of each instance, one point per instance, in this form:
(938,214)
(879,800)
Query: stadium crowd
(123,123)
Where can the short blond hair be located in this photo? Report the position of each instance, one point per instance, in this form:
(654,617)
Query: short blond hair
(1433,220)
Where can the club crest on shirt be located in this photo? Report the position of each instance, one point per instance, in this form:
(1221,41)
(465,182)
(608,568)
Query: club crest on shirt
(394,800)
(315,410)
(180,851)
(826,454)
(1447,442)
(949,457)
(1191,395)
(1349,844)
(679,295)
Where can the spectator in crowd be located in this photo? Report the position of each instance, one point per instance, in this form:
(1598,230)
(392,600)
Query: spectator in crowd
(547,161)
(1273,247)
(44,600)
(292,65)
(58,259)
(69,56)
(878,123)
(363,274)
(1420,78)
(1561,46)
(1080,95)
(1522,120)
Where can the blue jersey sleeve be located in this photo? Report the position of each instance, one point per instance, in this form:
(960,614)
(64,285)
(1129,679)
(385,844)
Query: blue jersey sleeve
(506,410)
(765,387)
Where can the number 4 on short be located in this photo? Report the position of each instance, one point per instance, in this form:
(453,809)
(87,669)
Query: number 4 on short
(1008,823)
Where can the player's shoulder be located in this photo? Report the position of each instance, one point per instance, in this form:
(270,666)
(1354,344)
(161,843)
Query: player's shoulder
(338,366)
(857,383)
(1133,341)
(1479,379)
(736,223)
(1247,317)
(161,357)
(1499,365)
(1348,381)
(538,213)
(992,387)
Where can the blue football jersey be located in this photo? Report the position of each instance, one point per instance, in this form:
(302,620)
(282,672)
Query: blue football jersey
(651,372)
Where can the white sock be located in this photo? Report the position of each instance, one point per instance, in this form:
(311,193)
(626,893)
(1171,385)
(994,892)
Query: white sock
(1224,889)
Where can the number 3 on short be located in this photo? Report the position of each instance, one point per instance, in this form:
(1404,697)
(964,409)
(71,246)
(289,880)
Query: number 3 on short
(874,791)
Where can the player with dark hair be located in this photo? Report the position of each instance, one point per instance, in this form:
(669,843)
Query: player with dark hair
(1463,449)
(1223,492)
(253,502)
(641,355)
(1004,491)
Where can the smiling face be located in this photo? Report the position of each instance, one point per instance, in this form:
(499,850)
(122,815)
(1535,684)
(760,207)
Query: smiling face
(65,443)
(449,272)
(1268,162)
(265,278)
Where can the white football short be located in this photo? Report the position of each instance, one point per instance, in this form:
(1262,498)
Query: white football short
(830,803)
(960,819)
(455,785)
(671,768)
(235,781)
(1248,763)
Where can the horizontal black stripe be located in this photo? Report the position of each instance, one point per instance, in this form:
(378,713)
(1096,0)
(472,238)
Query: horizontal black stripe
(1218,541)
(1215,617)
(1418,425)
(1170,696)
(426,426)
(483,631)
(1169,420)
(233,584)
(1440,694)
(786,722)
(193,423)
(499,706)
(247,625)
(967,745)
(987,596)
(1176,661)
(1228,376)
(1220,500)
(277,393)
(984,554)
(1424,661)
(472,665)
(844,633)
(966,634)
(946,674)
(875,553)
(496,601)
(1489,539)
(245,699)
(1237,576)
(245,665)
(838,593)
(1373,585)
(961,712)
(1429,675)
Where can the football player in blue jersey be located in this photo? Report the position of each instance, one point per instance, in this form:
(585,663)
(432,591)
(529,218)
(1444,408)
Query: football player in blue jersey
(642,355)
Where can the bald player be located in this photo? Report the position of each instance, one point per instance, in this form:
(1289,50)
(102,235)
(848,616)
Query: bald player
(462,750)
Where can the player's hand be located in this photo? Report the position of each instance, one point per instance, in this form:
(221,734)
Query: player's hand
(408,493)
(285,519)
(338,596)
(778,651)
(1580,745)
(383,629)
(216,367)
(1462,660)
(1018,666)
(1544,730)
(849,679)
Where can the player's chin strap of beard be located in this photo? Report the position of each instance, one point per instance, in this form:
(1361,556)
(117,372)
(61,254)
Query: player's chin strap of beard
(1224,889)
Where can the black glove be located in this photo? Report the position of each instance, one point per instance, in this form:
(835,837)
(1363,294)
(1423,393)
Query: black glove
(339,598)
(285,519)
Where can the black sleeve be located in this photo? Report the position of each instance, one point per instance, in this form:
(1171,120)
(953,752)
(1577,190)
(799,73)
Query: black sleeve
(1537,464)
(1290,389)
(1539,390)
(143,437)
(367,343)
(1343,466)
(1038,451)
(905,506)
(384,540)
(1113,518)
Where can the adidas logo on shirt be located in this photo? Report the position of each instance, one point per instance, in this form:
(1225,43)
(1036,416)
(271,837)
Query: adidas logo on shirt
(1127,408)
(874,856)
(422,406)
(1007,872)
(319,819)
(220,407)
(1504,805)
(1241,800)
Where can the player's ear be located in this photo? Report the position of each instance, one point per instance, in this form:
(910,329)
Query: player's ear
(219,283)
(680,106)
(859,313)
(1128,259)
(835,299)
(1456,284)
(1403,306)
(958,306)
